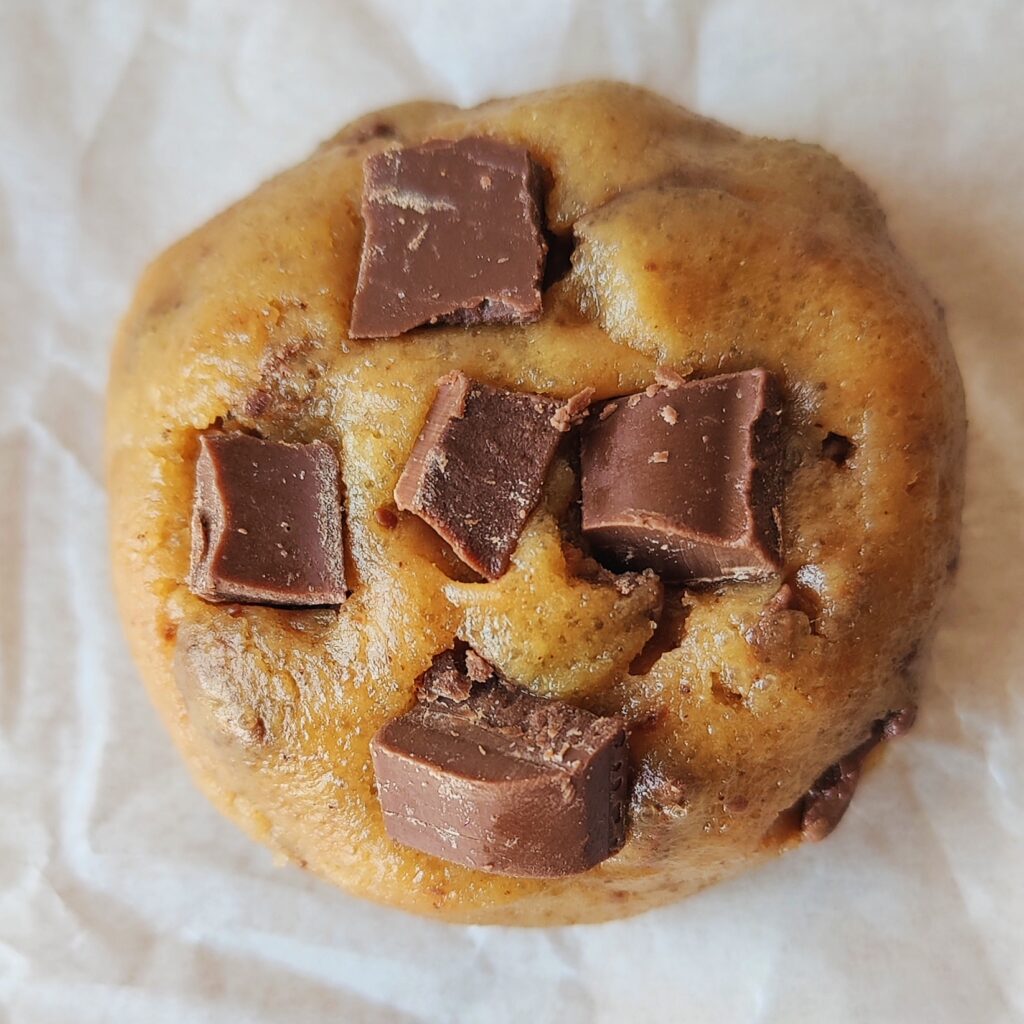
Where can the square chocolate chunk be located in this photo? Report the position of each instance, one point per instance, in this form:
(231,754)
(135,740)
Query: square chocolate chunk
(685,479)
(478,467)
(488,775)
(266,522)
(452,235)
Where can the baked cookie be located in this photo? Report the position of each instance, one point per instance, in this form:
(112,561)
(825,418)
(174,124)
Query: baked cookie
(530,514)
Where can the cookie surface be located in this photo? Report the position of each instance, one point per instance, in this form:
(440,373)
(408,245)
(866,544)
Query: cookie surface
(696,249)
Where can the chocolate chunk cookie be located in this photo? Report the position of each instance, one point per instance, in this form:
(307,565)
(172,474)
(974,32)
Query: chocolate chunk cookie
(528,514)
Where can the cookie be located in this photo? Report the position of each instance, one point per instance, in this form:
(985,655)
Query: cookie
(531,514)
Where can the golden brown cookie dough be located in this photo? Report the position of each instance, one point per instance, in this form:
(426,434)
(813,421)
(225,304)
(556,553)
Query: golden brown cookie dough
(697,249)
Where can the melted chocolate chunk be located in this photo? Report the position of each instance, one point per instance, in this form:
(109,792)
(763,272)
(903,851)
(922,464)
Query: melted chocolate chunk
(828,799)
(502,780)
(477,469)
(685,479)
(266,522)
(453,235)
(825,803)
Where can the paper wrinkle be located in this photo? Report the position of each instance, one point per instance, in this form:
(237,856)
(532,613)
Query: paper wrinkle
(123,896)
(957,888)
(14,458)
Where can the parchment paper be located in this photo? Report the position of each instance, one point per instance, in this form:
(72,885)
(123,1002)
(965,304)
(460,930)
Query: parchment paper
(123,896)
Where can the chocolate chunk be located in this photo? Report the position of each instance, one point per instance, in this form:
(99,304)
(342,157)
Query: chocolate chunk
(685,479)
(477,469)
(503,781)
(452,235)
(448,679)
(266,522)
(825,803)
(827,800)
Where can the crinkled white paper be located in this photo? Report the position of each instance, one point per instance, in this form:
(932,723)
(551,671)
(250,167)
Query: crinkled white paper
(123,896)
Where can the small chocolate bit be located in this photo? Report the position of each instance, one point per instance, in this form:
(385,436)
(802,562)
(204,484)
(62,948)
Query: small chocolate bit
(669,378)
(453,235)
(385,517)
(898,723)
(780,626)
(477,469)
(573,412)
(266,522)
(695,495)
(783,600)
(503,781)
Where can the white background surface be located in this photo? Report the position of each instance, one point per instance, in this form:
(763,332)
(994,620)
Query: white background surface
(123,896)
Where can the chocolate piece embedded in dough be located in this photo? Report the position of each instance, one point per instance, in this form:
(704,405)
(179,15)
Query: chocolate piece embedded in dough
(898,723)
(825,803)
(828,799)
(685,480)
(478,466)
(266,522)
(452,235)
(502,780)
